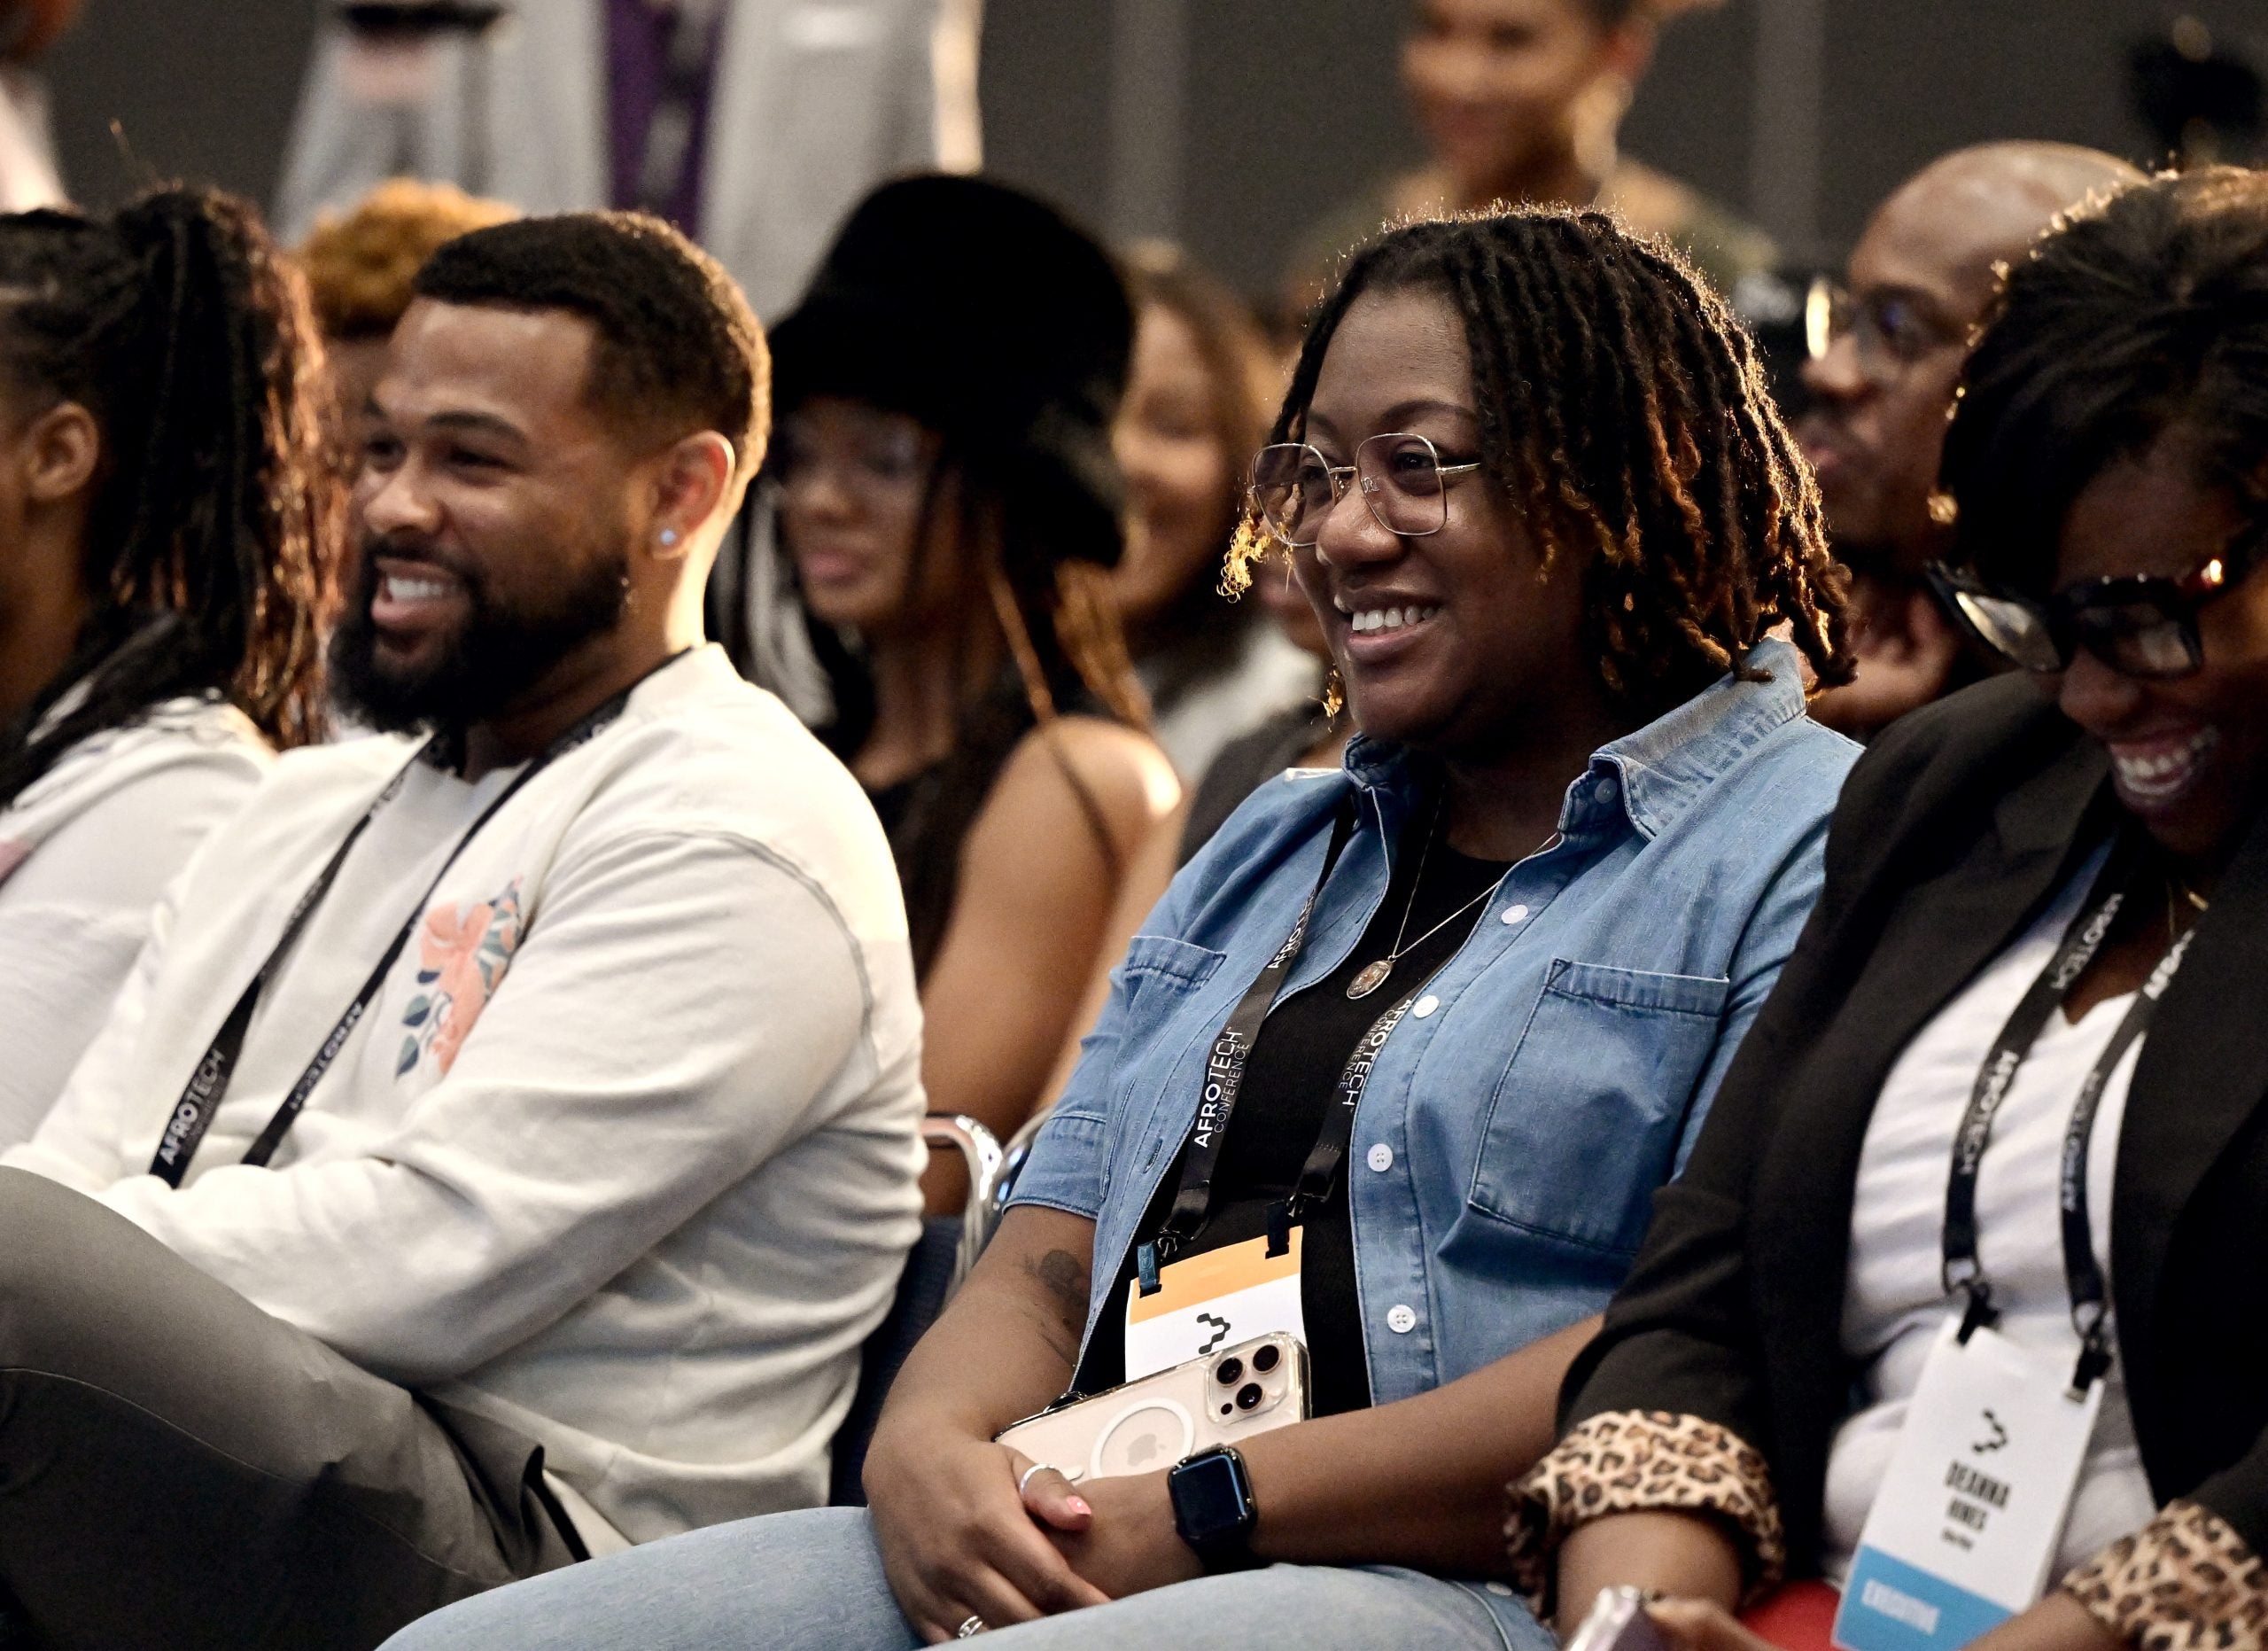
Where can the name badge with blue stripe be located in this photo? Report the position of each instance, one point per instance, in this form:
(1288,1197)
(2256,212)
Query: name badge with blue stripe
(1971,1512)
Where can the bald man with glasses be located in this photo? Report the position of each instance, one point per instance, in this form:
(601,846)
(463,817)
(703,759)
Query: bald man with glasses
(1886,354)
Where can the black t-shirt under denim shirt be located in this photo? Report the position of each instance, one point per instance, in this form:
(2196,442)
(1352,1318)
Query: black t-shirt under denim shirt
(1291,1080)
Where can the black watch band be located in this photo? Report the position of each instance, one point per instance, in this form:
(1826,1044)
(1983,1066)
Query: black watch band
(1212,1507)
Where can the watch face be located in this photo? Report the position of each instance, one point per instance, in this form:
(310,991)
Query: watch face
(1209,1498)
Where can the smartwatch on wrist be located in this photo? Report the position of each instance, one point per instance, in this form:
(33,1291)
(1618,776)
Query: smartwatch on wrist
(1212,1507)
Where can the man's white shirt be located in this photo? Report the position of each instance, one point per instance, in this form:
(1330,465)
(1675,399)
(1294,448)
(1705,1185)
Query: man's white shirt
(623,1154)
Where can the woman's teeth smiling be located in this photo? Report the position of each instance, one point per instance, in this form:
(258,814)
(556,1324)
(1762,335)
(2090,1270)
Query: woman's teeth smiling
(2153,772)
(1371,621)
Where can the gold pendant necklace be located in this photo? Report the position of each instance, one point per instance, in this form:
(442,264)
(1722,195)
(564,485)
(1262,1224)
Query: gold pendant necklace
(2178,893)
(1371,976)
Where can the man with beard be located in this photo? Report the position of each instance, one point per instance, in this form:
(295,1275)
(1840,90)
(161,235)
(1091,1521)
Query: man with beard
(1886,361)
(511,1133)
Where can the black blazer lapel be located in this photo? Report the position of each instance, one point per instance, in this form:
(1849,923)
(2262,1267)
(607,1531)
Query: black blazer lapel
(2202,1074)
(1933,923)
(1930,919)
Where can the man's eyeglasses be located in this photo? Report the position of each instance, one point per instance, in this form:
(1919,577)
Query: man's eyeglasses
(2142,626)
(1891,329)
(1402,477)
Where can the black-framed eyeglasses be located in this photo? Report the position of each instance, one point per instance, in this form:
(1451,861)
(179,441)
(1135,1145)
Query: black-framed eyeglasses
(1892,329)
(1402,480)
(2140,624)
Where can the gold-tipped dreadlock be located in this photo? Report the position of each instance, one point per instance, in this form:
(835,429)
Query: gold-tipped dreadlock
(1624,409)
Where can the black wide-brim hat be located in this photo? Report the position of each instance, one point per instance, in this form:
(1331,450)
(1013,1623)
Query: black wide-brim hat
(993,320)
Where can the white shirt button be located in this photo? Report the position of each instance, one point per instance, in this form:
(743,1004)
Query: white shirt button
(1380,1158)
(1501,1589)
(1424,1006)
(1401,1319)
(1515,914)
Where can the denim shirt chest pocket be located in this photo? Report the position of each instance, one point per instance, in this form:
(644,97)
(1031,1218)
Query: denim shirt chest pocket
(1162,978)
(1586,1120)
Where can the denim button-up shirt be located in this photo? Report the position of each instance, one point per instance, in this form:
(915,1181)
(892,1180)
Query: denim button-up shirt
(1511,1135)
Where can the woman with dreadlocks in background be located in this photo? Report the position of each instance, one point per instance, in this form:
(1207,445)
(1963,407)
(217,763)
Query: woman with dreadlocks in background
(166,533)
(951,508)
(1571,569)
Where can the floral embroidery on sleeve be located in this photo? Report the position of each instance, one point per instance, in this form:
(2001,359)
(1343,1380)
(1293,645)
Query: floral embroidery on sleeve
(463,952)
(2184,1582)
(1630,1461)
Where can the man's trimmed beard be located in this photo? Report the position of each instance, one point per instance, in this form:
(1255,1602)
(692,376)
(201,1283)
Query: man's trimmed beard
(498,655)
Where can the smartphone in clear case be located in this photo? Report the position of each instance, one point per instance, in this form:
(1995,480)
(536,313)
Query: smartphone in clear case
(1145,1426)
(1619,1622)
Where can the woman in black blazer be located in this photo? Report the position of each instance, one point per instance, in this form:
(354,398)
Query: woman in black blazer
(2109,461)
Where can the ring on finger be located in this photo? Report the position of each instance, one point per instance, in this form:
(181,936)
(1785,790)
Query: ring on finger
(1024,1478)
(971,1628)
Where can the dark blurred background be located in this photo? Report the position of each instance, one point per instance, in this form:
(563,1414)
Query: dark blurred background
(1242,119)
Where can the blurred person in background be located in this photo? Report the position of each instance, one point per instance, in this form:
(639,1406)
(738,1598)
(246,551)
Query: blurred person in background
(1520,101)
(1197,404)
(1198,401)
(1886,357)
(1310,732)
(168,529)
(28,177)
(752,125)
(950,506)
(360,265)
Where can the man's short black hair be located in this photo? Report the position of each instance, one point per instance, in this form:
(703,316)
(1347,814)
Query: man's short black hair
(677,346)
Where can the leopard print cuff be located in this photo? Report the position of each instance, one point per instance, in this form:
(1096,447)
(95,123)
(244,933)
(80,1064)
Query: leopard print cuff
(1631,1461)
(2184,1582)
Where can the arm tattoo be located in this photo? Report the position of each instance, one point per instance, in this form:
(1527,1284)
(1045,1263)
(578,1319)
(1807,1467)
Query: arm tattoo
(1063,1276)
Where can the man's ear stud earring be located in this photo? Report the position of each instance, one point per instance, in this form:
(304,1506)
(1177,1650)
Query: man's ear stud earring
(668,537)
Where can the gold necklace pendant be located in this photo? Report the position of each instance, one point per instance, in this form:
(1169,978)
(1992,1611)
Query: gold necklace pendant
(1371,979)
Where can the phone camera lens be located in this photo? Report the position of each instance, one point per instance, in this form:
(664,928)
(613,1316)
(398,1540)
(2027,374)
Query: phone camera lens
(1228,1372)
(1264,1359)
(1248,1396)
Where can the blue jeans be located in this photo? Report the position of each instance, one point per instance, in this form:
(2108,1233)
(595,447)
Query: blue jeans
(813,1582)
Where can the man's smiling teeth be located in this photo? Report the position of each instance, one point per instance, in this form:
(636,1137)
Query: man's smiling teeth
(2158,775)
(1368,621)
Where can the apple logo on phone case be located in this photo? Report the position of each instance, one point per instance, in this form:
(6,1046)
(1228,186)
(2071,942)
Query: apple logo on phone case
(1152,1435)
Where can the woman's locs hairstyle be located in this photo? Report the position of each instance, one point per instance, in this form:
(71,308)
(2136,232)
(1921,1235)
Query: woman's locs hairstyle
(214,521)
(1624,409)
(2147,311)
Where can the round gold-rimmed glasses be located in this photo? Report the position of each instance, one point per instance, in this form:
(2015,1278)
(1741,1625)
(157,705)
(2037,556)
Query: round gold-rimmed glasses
(1401,474)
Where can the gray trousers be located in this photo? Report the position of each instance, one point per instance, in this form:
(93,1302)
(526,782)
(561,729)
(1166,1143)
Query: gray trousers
(179,1470)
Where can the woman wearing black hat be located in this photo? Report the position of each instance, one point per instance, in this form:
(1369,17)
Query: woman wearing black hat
(949,505)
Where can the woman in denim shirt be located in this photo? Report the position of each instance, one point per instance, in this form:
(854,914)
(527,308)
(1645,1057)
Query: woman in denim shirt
(1582,832)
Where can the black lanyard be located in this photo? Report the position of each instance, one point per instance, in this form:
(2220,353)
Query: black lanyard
(1193,1202)
(208,1083)
(2083,1275)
